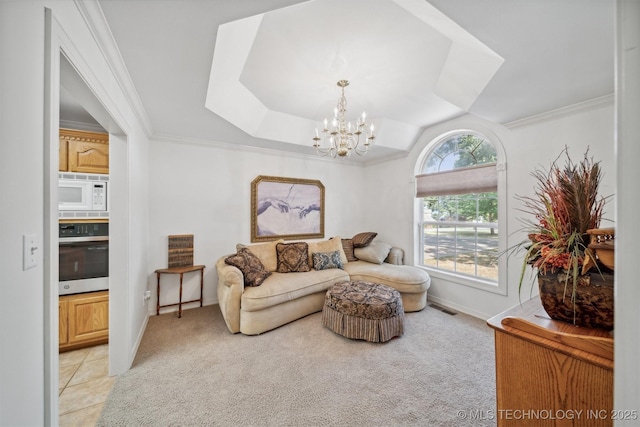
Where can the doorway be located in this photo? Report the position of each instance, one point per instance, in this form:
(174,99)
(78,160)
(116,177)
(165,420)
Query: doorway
(84,381)
(67,73)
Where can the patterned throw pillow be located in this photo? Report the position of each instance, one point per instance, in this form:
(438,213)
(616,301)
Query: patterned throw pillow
(266,253)
(333,244)
(362,240)
(251,267)
(325,260)
(347,247)
(292,257)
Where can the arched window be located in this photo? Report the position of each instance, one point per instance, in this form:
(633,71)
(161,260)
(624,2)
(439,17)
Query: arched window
(458,190)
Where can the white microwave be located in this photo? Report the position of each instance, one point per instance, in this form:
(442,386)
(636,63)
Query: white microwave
(82,192)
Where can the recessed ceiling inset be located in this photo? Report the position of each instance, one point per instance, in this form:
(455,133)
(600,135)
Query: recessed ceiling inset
(273,75)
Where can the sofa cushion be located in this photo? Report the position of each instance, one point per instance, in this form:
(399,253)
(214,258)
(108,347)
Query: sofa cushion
(333,244)
(252,269)
(347,247)
(361,240)
(292,257)
(375,252)
(404,278)
(324,260)
(266,252)
(283,287)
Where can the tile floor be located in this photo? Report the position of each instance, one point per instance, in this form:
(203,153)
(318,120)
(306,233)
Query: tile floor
(84,385)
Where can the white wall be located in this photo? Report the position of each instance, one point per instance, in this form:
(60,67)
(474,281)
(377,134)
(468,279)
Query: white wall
(21,178)
(528,144)
(28,383)
(205,190)
(627,344)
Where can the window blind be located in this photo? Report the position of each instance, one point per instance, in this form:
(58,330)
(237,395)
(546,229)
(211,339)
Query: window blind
(476,179)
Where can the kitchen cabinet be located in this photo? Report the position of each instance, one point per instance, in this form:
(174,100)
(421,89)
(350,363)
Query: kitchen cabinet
(86,152)
(63,322)
(83,320)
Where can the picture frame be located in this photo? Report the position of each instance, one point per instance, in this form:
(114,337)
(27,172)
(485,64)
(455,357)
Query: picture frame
(286,208)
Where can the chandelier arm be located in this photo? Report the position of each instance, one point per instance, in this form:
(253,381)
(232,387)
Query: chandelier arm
(324,152)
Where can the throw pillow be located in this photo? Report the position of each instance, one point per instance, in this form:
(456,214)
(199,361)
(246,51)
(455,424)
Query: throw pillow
(347,247)
(266,252)
(362,240)
(292,257)
(325,260)
(333,244)
(375,252)
(251,267)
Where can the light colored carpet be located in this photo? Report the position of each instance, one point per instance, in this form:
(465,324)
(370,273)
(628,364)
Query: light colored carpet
(193,372)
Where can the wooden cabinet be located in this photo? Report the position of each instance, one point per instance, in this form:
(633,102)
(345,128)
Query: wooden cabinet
(83,320)
(551,373)
(63,322)
(63,153)
(82,151)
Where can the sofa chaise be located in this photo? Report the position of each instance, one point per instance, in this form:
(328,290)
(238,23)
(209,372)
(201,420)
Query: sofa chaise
(266,285)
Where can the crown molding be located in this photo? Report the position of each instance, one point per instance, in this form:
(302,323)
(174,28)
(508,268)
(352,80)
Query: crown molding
(564,111)
(70,124)
(244,148)
(96,22)
(388,158)
(368,161)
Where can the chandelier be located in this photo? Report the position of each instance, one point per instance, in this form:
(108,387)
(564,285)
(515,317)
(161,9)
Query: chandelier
(343,137)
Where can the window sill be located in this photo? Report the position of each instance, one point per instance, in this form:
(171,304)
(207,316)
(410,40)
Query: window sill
(460,279)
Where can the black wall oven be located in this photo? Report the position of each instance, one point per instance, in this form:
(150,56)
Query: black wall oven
(84,257)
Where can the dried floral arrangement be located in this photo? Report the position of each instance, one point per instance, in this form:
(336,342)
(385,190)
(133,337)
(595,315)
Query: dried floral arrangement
(564,206)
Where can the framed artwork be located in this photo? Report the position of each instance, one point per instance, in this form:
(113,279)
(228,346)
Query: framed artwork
(286,208)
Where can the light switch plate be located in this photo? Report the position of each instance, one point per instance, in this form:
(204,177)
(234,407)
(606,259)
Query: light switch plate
(29,251)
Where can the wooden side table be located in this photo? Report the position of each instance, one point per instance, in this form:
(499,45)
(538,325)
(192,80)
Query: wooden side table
(180,271)
(551,373)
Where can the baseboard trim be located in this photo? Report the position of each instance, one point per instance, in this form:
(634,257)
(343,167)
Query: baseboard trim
(187,306)
(136,345)
(443,304)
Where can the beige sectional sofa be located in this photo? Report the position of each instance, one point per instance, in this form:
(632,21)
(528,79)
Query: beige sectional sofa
(282,297)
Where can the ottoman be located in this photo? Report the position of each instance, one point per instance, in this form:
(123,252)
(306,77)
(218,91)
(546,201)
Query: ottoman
(363,310)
